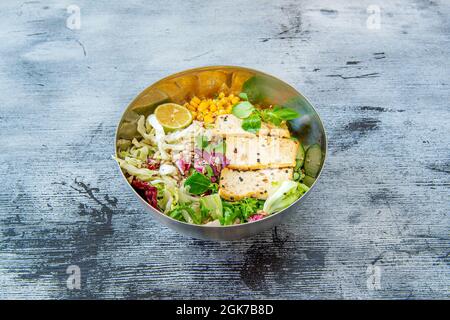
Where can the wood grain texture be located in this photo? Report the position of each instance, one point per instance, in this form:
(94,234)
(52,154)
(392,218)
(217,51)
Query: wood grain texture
(382,202)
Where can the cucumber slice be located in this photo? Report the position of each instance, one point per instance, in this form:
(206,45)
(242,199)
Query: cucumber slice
(308,180)
(313,160)
(300,158)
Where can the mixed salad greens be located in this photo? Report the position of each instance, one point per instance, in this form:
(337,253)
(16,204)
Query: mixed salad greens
(175,163)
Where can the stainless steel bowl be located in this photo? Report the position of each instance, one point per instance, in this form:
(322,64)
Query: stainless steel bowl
(206,82)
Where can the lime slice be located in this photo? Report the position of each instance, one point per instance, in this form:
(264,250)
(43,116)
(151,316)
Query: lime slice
(172,116)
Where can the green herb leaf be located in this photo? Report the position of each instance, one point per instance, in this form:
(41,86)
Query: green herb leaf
(271,116)
(252,123)
(243,96)
(278,114)
(243,109)
(180,210)
(286,113)
(198,183)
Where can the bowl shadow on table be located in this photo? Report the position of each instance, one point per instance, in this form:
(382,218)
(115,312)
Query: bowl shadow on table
(285,255)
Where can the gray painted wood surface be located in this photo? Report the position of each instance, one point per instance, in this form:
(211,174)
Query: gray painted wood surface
(376,226)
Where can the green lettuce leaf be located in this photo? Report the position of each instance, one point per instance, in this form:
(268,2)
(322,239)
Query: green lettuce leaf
(242,210)
(287,193)
(213,204)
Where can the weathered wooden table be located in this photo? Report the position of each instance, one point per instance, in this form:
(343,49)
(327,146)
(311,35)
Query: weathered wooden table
(376,226)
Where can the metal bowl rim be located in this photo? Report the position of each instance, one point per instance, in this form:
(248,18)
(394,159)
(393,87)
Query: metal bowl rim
(205,68)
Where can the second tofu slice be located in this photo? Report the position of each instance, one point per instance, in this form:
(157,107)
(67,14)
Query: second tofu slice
(236,185)
(260,152)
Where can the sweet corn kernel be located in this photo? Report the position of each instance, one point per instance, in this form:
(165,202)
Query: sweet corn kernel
(213,107)
(221,95)
(223,112)
(195,100)
(194,114)
(235,100)
(203,106)
(200,117)
(208,119)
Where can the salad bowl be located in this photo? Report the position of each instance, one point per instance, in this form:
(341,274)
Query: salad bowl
(308,129)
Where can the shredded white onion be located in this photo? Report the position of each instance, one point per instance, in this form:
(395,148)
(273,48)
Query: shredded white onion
(167,169)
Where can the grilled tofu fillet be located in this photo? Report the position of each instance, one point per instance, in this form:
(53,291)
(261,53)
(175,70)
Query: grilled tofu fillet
(255,160)
(229,125)
(236,185)
(260,152)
